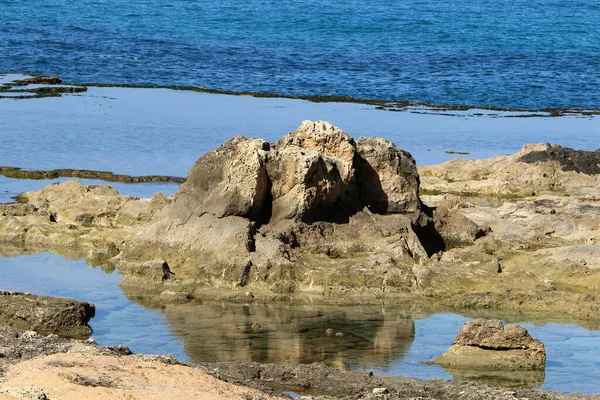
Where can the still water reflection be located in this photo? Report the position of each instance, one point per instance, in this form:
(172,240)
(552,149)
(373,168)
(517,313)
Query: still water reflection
(281,333)
(388,340)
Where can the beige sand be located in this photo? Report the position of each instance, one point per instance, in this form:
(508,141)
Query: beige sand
(82,376)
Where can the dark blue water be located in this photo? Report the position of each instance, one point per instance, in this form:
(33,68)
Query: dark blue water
(518,53)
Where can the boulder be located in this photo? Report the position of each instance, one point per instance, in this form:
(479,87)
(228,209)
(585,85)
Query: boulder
(387,178)
(231,180)
(305,185)
(486,344)
(46,315)
(328,140)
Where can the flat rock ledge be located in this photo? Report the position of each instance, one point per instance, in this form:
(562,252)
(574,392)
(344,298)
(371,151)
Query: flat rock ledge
(486,344)
(46,315)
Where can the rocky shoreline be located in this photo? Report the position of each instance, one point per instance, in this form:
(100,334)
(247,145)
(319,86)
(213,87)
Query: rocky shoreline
(33,366)
(320,215)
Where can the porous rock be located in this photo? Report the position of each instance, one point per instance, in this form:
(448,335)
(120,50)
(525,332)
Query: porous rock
(486,344)
(387,178)
(46,315)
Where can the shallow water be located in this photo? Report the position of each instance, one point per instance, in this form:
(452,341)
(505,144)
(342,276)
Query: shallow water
(528,53)
(389,340)
(163,132)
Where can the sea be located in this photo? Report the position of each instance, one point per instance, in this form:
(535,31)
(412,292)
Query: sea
(529,54)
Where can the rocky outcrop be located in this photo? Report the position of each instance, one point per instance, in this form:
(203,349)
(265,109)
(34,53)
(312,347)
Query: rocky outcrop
(278,209)
(484,344)
(46,315)
(286,217)
(537,169)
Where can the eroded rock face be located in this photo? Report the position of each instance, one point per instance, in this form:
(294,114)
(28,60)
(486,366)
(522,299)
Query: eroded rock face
(486,344)
(305,185)
(387,178)
(231,180)
(46,315)
(309,175)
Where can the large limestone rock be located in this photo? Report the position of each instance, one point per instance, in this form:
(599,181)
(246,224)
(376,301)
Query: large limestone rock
(46,315)
(231,180)
(309,175)
(387,178)
(484,344)
(241,215)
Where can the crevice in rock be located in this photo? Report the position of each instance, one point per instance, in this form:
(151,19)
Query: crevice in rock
(246,274)
(263,216)
(430,238)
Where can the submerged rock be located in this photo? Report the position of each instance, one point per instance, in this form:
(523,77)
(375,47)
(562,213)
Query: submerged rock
(486,344)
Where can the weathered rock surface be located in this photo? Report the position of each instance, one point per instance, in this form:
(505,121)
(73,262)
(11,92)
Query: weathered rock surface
(291,215)
(536,169)
(485,344)
(46,315)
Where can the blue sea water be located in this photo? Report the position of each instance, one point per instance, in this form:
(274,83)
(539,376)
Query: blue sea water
(518,53)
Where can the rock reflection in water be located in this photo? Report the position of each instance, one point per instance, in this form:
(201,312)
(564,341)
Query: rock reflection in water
(520,379)
(283,333)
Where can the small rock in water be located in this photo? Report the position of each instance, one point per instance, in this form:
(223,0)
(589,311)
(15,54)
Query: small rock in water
(486,344)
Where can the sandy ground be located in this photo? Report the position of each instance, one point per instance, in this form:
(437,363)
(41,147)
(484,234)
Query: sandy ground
(83,376)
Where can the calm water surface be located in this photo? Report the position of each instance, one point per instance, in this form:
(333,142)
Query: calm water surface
(389,340)
(163,132)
